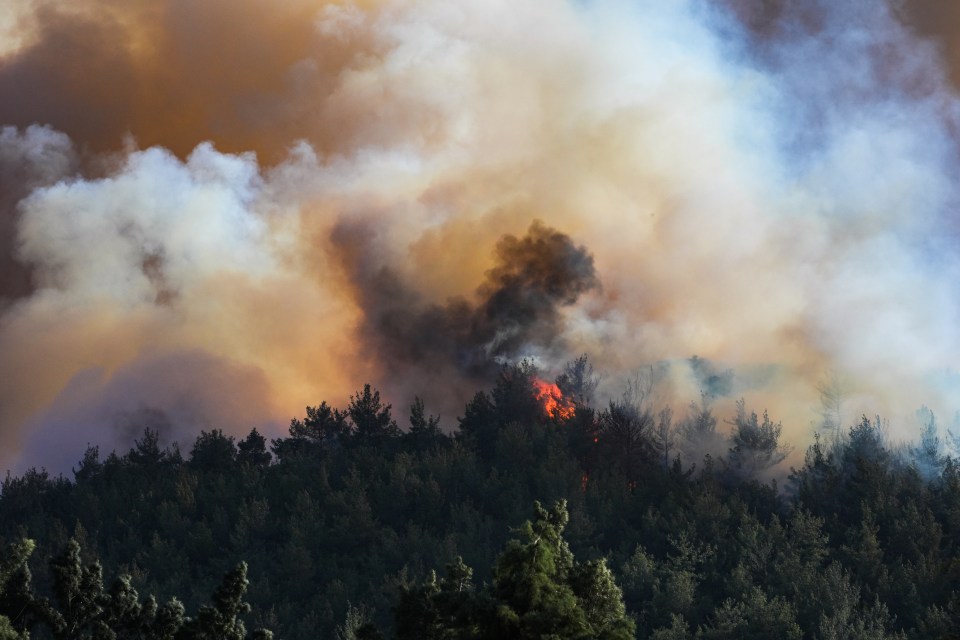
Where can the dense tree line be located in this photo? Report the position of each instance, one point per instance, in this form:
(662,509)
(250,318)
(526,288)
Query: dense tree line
(348,523)
(83,608)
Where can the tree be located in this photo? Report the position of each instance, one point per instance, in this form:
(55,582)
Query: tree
(625,435)
(85,610)
(538,591)
(221,621)
(754,617)
(436,610)
(424,430)
(358,626)
(479,425)
(831,408)
(252,450)
(213,451)
(601,600)
(90,465)
(147,452)
(20,610)
(531,579)
(324,428)
(678,630)
(78,590)
(30,494)
(928,455)
(665,436)
(7,632)
(865,443)
(371,419)
(514,396)
(755,445)
(577,381)
(124,613)
(698,433)
(323,425)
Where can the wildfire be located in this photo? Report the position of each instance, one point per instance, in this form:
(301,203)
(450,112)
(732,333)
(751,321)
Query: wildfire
(550,396)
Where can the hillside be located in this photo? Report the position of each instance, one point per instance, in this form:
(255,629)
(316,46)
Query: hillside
(349,514)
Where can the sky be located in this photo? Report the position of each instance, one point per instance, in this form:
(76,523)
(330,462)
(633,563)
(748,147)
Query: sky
(213,214)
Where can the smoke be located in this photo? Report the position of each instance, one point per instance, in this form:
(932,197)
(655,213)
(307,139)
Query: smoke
(176,394)
(36,157)
(201,202)
(515,313)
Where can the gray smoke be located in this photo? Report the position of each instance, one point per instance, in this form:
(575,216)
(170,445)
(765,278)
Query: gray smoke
(514,313)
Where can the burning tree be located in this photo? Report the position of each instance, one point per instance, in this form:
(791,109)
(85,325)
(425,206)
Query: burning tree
(551,398)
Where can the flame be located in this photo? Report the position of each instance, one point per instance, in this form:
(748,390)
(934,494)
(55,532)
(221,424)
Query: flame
(550,396)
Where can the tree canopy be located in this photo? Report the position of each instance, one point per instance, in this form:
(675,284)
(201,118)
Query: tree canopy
(661,524)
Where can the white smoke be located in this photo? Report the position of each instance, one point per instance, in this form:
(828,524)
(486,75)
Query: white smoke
(783,207)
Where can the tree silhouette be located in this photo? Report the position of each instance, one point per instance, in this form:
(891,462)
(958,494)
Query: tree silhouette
(755,445)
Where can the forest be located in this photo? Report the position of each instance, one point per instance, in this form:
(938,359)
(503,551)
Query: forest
(540,516)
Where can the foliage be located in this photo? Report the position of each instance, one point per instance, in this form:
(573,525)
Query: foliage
(538,591)
(661,520)
(83,608)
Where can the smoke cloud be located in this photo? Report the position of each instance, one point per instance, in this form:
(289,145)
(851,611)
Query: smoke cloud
(515,313)
(213,214)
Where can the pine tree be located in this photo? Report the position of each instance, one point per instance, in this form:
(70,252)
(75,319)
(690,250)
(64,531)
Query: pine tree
(538,591)
(221,620)
(424,430)
(371,419)
(80,599)
(755,445)
(19,609)
(601,600)
(252,450)
(213,451)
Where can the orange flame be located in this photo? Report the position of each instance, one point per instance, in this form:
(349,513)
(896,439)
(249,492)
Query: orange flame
(550,396)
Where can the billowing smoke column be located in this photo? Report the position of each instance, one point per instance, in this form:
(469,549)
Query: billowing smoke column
(213,214)
(514,314)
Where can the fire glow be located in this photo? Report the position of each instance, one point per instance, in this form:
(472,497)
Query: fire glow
(551,398)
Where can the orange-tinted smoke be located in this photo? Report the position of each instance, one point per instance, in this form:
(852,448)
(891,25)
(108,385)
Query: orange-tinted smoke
(249,75)
(777,206)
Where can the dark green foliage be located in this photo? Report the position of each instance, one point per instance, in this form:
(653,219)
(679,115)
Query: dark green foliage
(351,515)
(627,438)
(754,617)
(213,451)
(7,632)
(147,452)
(19,608)
(83,609)
(252,450)
(755,445)
(601,600)
(220,621)
(372,422)
(538,591)
(424,430)
(513,395)
(531,581)
(78,590)
(479,425)
(323,429)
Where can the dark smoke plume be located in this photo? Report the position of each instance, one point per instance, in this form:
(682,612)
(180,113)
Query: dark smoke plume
(514,313)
